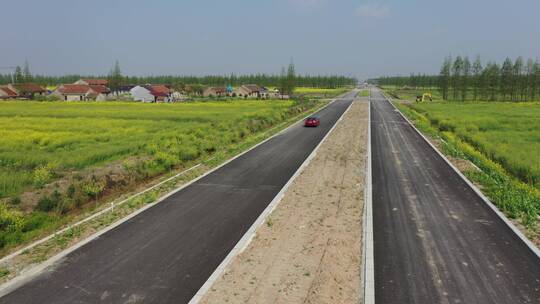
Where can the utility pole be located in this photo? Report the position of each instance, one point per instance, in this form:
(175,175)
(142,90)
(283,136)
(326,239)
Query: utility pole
(12,72)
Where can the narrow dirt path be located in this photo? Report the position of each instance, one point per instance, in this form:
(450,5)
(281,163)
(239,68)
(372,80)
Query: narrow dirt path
(309,250)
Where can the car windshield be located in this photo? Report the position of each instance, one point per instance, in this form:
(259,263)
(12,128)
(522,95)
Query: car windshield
(311,118)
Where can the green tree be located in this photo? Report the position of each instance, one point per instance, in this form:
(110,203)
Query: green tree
(444,77)
(27,76)
(476,75)
(493,72)
(529,79)
(19,76)
(291,78)
(283,82)
(536,82)
(115,77)
(456,76)
(465,77)
(507,79)
(518,83)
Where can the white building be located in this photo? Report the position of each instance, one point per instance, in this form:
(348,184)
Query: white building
(142,94)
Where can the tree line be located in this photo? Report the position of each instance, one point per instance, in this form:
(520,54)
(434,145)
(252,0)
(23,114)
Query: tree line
(116,79)
(462,79)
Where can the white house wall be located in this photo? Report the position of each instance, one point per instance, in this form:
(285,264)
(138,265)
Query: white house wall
(141,94)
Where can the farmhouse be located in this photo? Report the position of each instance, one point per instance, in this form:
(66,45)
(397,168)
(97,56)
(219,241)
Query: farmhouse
(177,96)
(102,92)
(151,93)
(215,92)
(6,93)
(251,91)
(81,92)
(103,82)
(27,90)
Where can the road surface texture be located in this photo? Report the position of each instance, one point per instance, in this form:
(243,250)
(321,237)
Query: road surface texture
(165,254)
(309,249)
(435,240)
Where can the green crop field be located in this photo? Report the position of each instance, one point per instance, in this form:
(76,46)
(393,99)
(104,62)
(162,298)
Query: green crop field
(325,92)
(57,157)
(508,133)
(65,136)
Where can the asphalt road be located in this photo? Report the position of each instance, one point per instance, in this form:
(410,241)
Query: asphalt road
(435,240)
(165,254)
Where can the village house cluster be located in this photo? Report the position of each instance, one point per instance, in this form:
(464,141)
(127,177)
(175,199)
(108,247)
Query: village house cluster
(244,91)
(98,90)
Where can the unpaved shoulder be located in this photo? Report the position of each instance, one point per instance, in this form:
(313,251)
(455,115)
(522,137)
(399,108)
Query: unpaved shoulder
(309,250)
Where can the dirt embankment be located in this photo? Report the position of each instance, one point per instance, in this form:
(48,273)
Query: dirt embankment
(309,250)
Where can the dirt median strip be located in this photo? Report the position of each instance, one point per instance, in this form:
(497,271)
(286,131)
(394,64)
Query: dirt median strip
(309,250)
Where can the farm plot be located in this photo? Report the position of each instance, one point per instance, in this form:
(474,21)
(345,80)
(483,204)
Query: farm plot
(40,140)
(56,158)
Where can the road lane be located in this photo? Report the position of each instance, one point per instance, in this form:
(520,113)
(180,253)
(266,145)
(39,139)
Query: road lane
(166,253)
(435,240)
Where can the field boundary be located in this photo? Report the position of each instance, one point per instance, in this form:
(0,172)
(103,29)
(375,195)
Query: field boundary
(484,198)
(27,275)
(367,248)
(248,236)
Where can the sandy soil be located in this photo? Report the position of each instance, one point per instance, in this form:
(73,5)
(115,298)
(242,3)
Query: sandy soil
(309,250)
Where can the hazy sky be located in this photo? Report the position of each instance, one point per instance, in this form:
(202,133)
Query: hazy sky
(351,37)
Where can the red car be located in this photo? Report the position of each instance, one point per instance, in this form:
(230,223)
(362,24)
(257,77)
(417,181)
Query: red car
(312,122)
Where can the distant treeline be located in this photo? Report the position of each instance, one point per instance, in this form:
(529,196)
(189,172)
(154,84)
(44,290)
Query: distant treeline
(234,80)
(459,79)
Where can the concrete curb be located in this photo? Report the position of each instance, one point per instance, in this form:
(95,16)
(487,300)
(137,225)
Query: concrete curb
(248,236)
(31,272)
(368,250)
(486,200)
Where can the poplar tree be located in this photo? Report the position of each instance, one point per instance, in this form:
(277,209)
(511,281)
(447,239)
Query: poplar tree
(466,74)
(477,81)
(529,79)
(19,77)
(517,83)
(444,77)
(291,78)
(536,83)
(283,82)
(115,77)
(493,76)
(507,79)
(27,76)
(456,76)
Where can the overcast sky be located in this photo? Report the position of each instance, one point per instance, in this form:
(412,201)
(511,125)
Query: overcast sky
(350,37)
